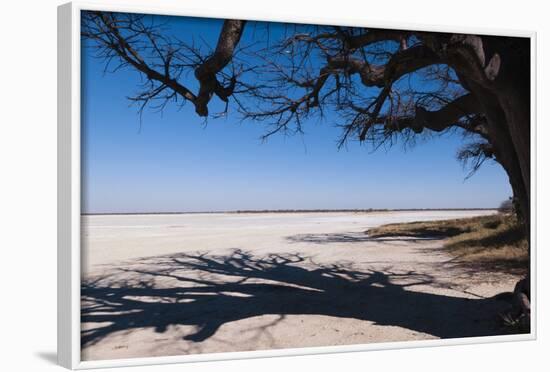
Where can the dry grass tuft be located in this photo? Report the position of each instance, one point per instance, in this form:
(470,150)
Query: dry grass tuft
(495,242)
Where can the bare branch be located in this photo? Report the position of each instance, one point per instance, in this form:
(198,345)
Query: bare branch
(126,36)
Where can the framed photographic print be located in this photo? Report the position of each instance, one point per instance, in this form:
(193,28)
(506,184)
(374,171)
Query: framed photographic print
(238,187)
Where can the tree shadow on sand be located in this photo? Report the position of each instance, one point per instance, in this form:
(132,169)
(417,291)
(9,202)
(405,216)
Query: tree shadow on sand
(208,291)
(356,237)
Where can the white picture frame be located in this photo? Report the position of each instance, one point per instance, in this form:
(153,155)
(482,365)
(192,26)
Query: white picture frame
(69,192)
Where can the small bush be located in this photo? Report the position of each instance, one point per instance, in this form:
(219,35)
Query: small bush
(507,206)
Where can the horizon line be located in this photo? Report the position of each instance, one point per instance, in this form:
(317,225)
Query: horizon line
(322,210)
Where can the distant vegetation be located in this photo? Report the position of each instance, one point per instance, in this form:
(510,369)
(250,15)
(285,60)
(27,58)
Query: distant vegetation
(507,206)
(495,242)
(355,210)
(369,210)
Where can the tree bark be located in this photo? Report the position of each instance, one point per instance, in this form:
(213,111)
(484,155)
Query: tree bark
(496,71)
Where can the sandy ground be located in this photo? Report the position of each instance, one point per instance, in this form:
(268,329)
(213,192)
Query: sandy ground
(202,283)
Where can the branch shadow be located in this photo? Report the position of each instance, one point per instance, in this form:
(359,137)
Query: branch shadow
(422,232)
(357,237)
(207,291)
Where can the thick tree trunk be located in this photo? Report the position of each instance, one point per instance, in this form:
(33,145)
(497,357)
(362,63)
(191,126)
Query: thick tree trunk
(504,96)
(508,113)
(496,71)
(513,87)
(515,101)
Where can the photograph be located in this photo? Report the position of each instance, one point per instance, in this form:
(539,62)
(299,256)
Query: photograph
(252,185)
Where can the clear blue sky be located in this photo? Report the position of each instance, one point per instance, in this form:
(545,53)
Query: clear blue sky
(174,163)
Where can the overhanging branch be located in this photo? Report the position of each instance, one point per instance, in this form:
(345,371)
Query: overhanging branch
(107,30)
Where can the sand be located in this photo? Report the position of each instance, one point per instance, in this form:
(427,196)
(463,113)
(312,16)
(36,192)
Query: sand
(158,285)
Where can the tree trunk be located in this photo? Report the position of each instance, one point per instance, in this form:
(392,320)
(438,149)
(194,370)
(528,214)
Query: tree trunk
(504,96)
(508,109)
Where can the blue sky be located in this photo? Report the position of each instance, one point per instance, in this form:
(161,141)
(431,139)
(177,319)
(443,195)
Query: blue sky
(173,162)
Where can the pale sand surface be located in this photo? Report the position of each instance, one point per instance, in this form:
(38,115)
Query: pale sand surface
(203,283)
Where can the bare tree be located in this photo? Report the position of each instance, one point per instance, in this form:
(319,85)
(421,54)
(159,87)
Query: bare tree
(397,84)
(384,84)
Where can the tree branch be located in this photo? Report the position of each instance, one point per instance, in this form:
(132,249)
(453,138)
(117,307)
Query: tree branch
(106,29)
(439,120)
(230,36)
(129,54)
(401,63)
